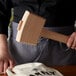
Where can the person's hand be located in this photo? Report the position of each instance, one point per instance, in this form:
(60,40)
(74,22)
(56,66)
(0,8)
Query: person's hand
(5,58)
(71,43)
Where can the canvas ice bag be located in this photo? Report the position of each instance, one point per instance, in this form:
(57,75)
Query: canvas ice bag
(33,69)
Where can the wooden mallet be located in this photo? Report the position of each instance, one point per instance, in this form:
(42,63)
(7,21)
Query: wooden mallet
(31,28)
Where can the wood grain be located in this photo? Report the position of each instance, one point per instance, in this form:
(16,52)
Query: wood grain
(66,70)
(54,35)
(29,29)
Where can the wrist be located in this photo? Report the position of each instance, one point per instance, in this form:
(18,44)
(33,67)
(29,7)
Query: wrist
(3,41)
(3,38)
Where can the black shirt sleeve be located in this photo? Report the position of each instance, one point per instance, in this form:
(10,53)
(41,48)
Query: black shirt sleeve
(5,13)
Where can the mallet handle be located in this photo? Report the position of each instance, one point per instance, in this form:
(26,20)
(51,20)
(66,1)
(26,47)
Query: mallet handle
(54,35)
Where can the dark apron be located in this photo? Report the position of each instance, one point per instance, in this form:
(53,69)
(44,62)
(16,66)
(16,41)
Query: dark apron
(46,51)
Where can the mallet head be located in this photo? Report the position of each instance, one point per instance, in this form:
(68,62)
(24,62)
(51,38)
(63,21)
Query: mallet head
(29,28)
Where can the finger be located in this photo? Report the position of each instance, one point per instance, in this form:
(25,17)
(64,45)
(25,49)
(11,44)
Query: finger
(11,64)
(74,44)
(1,66)
(70,40)
(5,66)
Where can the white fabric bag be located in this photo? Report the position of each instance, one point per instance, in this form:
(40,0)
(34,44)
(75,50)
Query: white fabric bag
(33,69)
